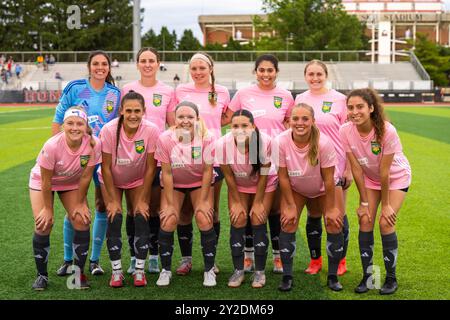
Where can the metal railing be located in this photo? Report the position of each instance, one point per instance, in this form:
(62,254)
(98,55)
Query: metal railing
(418,66)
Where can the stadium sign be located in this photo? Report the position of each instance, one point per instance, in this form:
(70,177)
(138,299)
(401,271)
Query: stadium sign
(41,96)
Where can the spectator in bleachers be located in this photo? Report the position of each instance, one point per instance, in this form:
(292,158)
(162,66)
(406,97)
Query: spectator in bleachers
(9,66)
(47,59)
(2,59)
(40,60)
(176,79)
(115,63)
(58,76)
(18,69)
(51,59)
(162,67)
(4,75)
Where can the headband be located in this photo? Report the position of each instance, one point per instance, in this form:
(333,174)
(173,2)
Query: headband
(75,113)
(201,57)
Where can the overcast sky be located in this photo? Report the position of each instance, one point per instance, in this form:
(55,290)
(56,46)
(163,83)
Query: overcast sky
(179,15)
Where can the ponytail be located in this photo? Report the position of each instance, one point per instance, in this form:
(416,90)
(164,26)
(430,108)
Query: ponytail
(314,137)
(212,95)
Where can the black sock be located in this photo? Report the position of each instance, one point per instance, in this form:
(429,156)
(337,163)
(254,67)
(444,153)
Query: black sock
(166,249)
(248,234)
(154,223)
(114,237)
(287,251)
(141,237)
(185,238)
(41,248)
(335,244)
(130,234)
(314,236)
(390,252)
(261,243)
(237,241)
(80,248)
(216,226)
(208,243)
(346,232)
(366,245)
(275,228)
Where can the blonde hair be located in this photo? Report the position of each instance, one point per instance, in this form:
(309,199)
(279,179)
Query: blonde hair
(200,128)
(88,128)
(313,152)
(318,62)
(207,58)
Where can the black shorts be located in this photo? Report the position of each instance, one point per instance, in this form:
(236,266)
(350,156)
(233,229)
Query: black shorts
(219,174)
(53,192)
(186,190)
(156,181)
(404,189)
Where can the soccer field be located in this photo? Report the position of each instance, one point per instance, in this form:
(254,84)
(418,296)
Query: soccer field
(423,226)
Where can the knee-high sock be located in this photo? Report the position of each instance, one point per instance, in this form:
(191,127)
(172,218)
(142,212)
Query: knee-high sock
(335,244)
(275,228)
(80,248)
(237,242)
(287,251)
(141,240)
(314,236)
(208,243)
(216,226)
(261,243)
(390,252)
(154,224)
(185,237)
(130,234)
(41,248)
(114,238)
(68,239)
(98,234)
(166,249)
(366,245)
(248,236)
(346,232)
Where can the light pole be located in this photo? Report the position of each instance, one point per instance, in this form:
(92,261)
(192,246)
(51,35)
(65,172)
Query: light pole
(136,27)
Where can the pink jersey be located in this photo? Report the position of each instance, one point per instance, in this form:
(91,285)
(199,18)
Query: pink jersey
(129,164)
(159,100)
(67,166)
(212,115)
(369,153)
(227,153)
(330,112)
(305,179)
(269,107)
(186,160)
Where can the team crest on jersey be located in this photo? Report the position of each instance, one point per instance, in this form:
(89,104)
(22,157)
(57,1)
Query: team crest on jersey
(157,99)
(84,160)
(212,95)
(196,152)
(109,106)
(277,102)
(139,146)
(326,106)
(376,148)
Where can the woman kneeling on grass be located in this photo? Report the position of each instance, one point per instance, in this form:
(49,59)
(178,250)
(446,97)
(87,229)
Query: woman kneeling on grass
(185,152)
(65,165)
(307,161)
(382,174)
(128,148)
(244,157)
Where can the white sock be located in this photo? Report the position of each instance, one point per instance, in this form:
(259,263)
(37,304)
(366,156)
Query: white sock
(140,264)
(116,265)
(186,259)
(153,257)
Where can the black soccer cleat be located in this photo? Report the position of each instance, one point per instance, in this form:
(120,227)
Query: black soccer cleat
(95,269)
(65,269)
(40,283)
(333,283)
(287,282)
(362,286)
(389,287)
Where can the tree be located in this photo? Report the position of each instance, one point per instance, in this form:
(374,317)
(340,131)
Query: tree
(435,63)
(189,42)
(166,41)
(150,39)
(311,24)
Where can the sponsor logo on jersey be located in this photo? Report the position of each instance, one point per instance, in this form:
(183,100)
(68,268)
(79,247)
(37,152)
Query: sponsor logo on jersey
(109,106)
(326,106)
(157,99)
(196,152)
(139,146)
(295,173)
(376,148)
(277,102)
(84,160)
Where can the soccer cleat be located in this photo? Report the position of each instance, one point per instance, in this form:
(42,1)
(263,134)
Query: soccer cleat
(164,278)
(132,267)
(216,269)
(362,287)
(236,279)
(139,278)
(116,279)
(95,268)
(333,283)
(277,265)
(209,278)
(40,283)
(287,282)
(65,269)
(153,264)
(184,268)
(389,287)
(259,279)
(342,269)
(249,265)
(315,265)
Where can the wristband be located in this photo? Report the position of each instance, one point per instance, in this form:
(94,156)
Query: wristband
(365,204)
